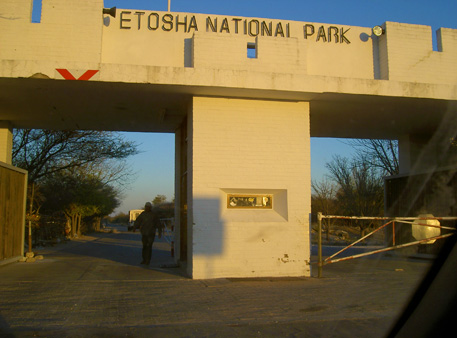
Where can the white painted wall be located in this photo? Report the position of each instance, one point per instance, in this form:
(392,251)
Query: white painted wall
(145,39)
(250,146)
(69,31)
(182,49)
(408,54)
(6,142)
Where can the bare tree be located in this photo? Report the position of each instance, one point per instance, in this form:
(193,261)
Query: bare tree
(114,172)
(379,154)
(45,152)
(323,199)
(360,188)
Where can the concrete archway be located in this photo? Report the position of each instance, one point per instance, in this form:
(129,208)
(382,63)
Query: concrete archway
(242,121)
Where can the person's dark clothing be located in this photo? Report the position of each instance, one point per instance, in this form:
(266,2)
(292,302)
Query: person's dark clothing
(148,241)
(148,222)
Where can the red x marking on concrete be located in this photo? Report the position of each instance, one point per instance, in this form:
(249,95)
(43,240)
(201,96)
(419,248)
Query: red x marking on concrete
(68,76)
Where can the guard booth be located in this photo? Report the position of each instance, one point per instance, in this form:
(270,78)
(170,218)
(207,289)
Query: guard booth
(433,193)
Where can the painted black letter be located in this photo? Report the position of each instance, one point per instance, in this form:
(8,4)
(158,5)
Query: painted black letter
(167,20)
(267,29)
(193,24)
(335,30)
(122,19)
(184,23)
(342,37)
(139,14)
(225,26)
(321,34)
(236,24)
(308,32)
(157,21)
(256,22)
(209,24)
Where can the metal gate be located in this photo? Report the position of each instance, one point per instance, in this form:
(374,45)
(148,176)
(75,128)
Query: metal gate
(418,222)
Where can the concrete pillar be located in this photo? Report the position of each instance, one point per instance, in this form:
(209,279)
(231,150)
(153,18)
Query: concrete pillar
(428,181)
(416,154)
(250,148)
(181,193)
(178,175)
(6,142)
(404,154)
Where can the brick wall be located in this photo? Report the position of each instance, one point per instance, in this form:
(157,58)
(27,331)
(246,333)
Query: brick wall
(249,146)
(76,31)
(16,10)
(226,52)
(409,55)
(145,42)
(68,31)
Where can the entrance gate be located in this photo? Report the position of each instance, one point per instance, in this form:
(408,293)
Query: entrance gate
(242,121)
(419,222)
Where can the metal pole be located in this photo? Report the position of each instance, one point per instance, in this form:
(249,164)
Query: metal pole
(357,241)
(169,5)
(30,217)
(389,248)
(319,245)
(393,233)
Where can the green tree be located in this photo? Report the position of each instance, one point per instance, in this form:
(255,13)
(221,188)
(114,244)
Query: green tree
(78,196)
(159,199)
(166,210)
(79,173)
(119,218)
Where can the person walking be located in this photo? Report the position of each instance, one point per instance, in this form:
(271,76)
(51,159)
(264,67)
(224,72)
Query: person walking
(148,222)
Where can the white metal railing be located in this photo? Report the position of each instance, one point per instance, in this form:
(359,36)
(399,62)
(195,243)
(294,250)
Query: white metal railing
(389,221)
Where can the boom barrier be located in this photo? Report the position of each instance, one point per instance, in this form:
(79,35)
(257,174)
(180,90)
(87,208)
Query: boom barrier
(417,221)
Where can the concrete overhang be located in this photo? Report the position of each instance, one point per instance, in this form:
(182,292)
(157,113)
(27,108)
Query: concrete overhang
(155,99)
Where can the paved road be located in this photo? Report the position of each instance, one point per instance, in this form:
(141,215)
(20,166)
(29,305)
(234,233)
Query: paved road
(328,250)
(94,287)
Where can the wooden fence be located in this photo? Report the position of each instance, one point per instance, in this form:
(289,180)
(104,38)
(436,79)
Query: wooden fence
(13,195)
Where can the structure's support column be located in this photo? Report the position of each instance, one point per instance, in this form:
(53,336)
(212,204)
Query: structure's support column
(258,151)
(188,185)
(181,194)
(415,155)
(6,142)
(404,155)
(427,179)
(177,221)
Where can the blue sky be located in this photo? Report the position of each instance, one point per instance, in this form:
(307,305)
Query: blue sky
(155,165)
